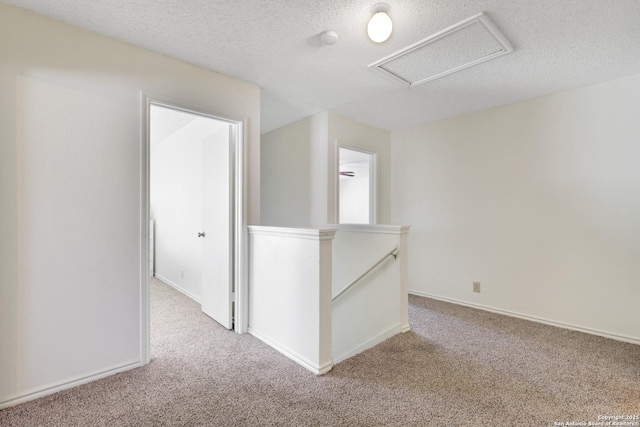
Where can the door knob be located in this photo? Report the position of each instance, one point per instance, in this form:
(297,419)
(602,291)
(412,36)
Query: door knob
(201,234)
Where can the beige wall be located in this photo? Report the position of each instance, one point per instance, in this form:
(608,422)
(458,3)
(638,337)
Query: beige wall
(70,192)
(286,178)
(354,134)
(299,175)
(539,201)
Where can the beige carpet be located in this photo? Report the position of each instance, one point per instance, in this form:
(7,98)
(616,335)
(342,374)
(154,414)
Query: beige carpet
(458,367)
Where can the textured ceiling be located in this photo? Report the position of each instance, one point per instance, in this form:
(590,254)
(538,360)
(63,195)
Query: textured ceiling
(559,44)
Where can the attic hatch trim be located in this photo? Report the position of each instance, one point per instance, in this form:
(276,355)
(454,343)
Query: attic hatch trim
(481,19)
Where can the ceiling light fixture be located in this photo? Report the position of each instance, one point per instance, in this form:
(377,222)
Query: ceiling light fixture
(329,38)
(380,25)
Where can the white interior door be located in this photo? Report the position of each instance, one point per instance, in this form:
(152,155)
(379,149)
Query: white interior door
(217,242)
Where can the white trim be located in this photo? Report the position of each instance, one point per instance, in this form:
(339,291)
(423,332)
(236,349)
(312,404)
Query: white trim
(373,189)
(69,383)
(292,232)
(240,270)
(382,336)
(590,331)
(301,360)
(145,217)
(335,173)
(178,288)
(241,234)
(374,228)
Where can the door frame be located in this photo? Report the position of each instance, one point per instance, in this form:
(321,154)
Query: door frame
(239,237)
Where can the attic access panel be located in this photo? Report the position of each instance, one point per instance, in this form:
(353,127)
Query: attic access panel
(463,45)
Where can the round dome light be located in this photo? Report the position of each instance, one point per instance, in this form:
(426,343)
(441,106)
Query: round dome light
(380,25)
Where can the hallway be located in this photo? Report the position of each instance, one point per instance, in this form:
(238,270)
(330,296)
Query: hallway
(458,366)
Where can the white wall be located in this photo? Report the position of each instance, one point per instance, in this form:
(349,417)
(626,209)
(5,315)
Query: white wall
(539,201)
(290,293)
(300,175)
(70,228)
(376,307)
(354,200)
(177,184)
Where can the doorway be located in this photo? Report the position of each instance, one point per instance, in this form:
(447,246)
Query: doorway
(357,186)
(194,207)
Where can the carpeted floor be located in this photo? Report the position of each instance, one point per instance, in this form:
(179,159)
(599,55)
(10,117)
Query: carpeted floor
(457,367)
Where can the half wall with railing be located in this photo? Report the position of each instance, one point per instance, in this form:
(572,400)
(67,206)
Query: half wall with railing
(321,295)
(371,260)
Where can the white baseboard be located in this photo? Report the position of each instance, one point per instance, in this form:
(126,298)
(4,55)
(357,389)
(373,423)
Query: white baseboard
(178,288)
(301,360)
(382,336)
(599,333)
(67,384)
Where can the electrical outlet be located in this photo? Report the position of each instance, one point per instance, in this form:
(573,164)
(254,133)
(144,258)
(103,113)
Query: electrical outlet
(476,287)
(182,275)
